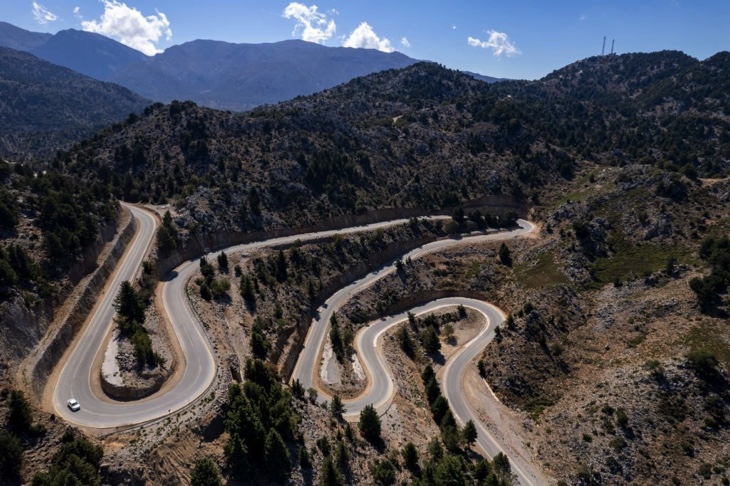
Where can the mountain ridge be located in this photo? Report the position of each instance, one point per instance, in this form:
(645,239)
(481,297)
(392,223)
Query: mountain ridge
(217,74)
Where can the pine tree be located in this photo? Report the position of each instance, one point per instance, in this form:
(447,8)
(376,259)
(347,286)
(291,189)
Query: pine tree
(328,474)
(410,456)
(20,417)
(205,473)
(369,424)
(278,463)
(237,458)
(470,433)
(504,255)
(336,406)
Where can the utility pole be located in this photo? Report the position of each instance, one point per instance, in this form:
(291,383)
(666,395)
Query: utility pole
(603,49)
(613,42)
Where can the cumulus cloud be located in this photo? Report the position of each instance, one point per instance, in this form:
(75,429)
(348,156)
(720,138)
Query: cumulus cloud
(42,15)
(365,37)
(312,25)
(130,27)
(405,43)
(498,42)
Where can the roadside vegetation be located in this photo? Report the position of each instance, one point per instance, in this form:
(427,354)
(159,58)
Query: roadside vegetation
(131,305)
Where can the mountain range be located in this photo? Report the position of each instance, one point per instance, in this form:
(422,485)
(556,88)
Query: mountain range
(216,74)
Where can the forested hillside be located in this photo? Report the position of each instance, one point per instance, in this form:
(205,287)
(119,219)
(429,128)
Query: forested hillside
(44,107)
(421,137)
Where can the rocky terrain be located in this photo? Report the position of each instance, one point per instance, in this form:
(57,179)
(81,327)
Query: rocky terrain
(613,361)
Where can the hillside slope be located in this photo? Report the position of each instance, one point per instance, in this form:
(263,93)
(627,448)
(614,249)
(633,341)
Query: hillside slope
(44,107)
(423,137)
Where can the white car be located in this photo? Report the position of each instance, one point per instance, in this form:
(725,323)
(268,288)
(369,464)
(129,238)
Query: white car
(73,404)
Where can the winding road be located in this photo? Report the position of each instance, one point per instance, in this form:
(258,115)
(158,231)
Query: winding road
(197,363)
(381,388)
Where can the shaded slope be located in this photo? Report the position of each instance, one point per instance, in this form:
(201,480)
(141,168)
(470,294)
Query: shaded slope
(44,107)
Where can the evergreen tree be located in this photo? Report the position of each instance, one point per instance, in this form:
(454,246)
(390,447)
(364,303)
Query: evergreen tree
(504,255)
(369,424)
(278,463)
(470,433)
(305,462)
(205,473)
(223,262)
(328,474)
(410,456)
(11,457)
(430,340)
(282,272)
(405,341)
(342,456)
(237,458)
(130,309)
(383,473)
(336,406)
(20,417)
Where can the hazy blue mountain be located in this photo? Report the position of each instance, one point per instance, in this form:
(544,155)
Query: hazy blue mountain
(45,107)
(241,76)
(482,77)
(88,53)
(20,39)
(211,73)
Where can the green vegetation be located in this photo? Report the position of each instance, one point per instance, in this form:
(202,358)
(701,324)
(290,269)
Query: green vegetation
(76,462)
(130,305)
(11,457)
(341,339)
(707,339)
(504,255)
(205,473)
(630,259)
(168,239)
(715,251)
(336,406)
(369,425)
(260,419)
(544,273)
(211,287)
(20,417)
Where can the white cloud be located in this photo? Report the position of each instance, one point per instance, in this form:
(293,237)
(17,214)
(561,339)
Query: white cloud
(582,17)
(42,15)
(77,13)
(312,25)
(498,42)
(405,43)
(130,27)
(453,27)
(365,37)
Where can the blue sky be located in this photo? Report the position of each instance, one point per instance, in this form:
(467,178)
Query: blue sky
(512,39)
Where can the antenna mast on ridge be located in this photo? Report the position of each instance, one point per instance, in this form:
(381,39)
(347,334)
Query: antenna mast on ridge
(603,50)
(613,42)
